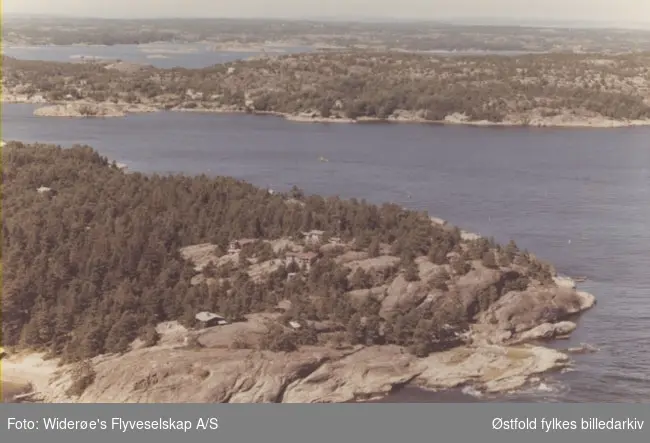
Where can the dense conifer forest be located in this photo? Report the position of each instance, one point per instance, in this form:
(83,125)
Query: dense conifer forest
(91,257)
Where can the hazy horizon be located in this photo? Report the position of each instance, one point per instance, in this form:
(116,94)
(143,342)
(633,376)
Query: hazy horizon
(597,12)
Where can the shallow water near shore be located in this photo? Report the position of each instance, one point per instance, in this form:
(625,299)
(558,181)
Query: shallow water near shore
(576,197)
(10,389)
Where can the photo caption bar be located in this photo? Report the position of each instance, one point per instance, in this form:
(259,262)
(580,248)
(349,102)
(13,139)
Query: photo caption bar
(324,423)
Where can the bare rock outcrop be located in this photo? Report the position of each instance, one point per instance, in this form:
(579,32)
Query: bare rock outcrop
(360,295)
(521,311)
(401,293)
(311,375)
(548,331)
(585,301)
(350,258)
(488,368)
(564,282)
(203,376)
(369,373)
(81,110)
(88,109)
(200,255)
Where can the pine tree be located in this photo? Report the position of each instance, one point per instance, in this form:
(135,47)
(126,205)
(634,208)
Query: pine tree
(374,248)
(489,261)
(355,333)
(121,334)
(422,339)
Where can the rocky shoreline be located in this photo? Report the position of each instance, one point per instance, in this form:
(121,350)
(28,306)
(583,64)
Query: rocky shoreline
(84,109)
(560,121)
(169,373)
(91,110)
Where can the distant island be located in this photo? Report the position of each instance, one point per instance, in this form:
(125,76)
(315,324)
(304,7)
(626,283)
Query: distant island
(404,36)
(126,287)
(528,90)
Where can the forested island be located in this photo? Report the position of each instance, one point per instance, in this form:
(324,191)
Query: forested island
(537,90)
(111,275)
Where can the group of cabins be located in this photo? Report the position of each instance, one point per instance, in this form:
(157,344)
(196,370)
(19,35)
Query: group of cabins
(313,237)
(302,259)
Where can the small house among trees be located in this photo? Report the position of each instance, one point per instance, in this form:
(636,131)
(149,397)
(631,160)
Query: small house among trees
(209,319)
(313,236)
